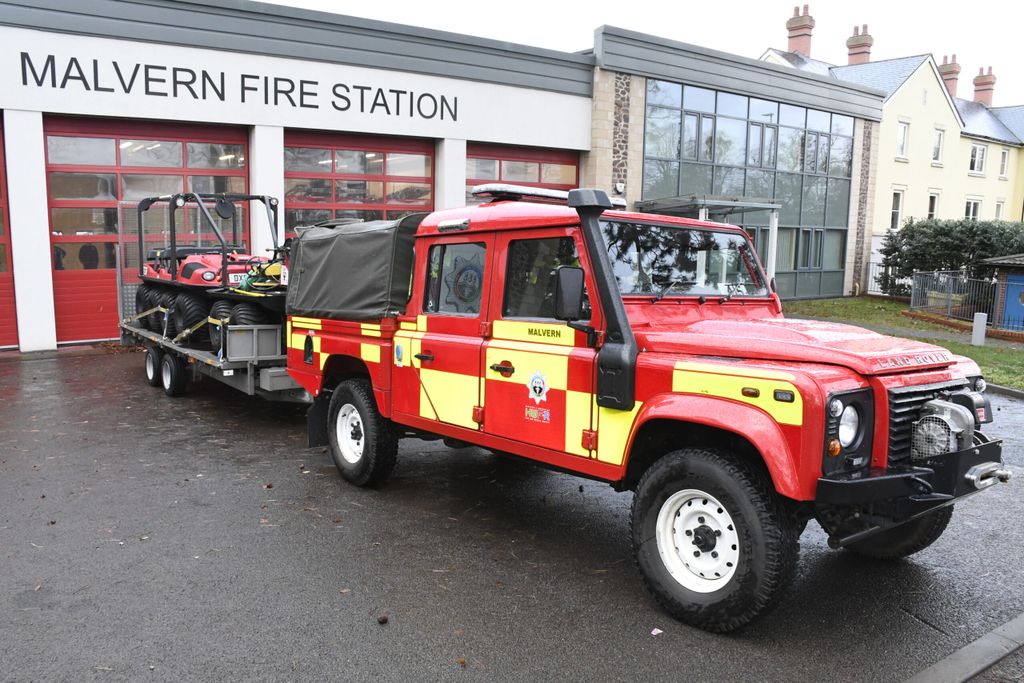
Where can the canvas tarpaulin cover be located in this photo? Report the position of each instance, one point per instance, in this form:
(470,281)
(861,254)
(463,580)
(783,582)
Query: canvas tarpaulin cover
(355,271)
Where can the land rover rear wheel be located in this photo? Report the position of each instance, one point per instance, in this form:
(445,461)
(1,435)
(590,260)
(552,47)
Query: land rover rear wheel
(362,441)
(714,542)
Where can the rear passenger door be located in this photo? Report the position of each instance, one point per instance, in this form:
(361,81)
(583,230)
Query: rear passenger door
(538,373)
(444,349)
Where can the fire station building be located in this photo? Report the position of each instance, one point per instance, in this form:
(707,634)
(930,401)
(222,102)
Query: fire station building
(106,102)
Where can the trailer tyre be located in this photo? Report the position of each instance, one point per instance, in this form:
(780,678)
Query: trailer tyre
(905,539)
(713,540)
(362,442)
(153,358)
(221,310)
(173,375)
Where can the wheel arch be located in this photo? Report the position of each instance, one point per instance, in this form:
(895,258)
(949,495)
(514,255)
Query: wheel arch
(711,423)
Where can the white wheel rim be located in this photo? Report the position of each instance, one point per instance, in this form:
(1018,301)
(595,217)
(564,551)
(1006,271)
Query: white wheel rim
(697,541)
(165,375)
(349,430)
(150,367)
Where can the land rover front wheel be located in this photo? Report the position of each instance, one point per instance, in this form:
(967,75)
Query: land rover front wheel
(905,539)
(714,543)
(362,441)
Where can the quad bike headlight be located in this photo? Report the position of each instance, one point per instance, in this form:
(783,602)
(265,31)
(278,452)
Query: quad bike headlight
(208,275)
(849,426)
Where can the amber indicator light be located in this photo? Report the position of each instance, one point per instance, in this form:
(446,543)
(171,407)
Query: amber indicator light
(750,392)
(834,447)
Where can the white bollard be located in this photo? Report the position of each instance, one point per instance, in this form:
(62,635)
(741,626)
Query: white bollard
(978,332)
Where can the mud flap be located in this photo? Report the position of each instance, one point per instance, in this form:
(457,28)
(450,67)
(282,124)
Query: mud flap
(316,423)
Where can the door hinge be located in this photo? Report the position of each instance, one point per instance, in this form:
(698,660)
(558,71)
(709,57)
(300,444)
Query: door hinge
(478,414)
(589,440)
(485,329)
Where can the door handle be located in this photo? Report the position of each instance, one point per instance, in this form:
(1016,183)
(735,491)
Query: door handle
(505,369)
(424,356)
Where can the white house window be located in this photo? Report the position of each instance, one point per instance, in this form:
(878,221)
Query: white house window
(1004,162)
(902,135)
(933,205)
(999,210)
(897,209)
(972,209)
(978,158)
(937,145)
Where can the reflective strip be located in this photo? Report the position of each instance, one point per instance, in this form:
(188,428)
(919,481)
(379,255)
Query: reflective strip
(558,334)
(421,323)
(453,396)
(730,386)
(613,428)
(370,330)
(577,418)
(298,340)
(309,323)
(529,346)
(406,326)
(369,353)
(555,369)
(734,370)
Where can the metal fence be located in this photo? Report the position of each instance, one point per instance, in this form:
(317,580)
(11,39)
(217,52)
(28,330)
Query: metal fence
(954,295)
(882,281)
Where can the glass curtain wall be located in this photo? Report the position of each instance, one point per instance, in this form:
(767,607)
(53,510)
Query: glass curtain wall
(704,142)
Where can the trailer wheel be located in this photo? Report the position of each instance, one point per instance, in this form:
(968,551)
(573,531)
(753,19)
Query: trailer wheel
(221,310)
(712,539)
(167,326)
(173,375)
(153,358)
(248,314)
(362,442)
(188,310)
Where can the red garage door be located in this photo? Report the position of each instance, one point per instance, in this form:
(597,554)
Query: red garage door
(97,169)
(346,176)
(553,169)
(8,317)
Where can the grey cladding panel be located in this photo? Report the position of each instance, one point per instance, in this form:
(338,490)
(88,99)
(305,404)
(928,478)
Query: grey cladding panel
(288,32)
(625,51)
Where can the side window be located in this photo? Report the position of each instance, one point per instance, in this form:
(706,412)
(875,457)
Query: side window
(455,278)
(530,276)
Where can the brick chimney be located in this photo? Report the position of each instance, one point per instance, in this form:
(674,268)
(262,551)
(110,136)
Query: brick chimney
(800,27)
(859,46)
(950,71)
(984,84)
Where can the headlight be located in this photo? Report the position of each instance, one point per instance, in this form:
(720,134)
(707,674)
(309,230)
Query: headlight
(835,407)
(849,426)
(980,385)
(208,275)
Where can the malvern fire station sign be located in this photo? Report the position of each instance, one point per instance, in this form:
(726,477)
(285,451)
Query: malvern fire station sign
(100,76)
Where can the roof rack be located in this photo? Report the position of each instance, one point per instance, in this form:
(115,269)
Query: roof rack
(518,193)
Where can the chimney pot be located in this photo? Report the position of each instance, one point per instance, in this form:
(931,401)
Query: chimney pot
(950,73)
(796,11)
(800,28)
(859,46)
(805,10)
(984,85)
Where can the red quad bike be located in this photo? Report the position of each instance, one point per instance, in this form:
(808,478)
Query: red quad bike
(189,292)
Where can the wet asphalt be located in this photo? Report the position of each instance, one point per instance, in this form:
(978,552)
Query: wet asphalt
(150,538)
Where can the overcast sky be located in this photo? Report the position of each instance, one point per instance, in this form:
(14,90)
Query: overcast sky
(982,33)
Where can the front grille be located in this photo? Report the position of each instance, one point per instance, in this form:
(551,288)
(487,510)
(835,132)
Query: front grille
(904,407)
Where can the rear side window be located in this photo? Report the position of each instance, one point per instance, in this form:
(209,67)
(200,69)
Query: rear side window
(530,276)
(455,278)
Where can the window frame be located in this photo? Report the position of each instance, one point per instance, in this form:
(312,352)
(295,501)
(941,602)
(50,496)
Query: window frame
(484,284)
(938,143)
(506,272)
(972,209)
(1004,162)
(1000,210)
(976,162)
(933,205)
(902,139)
(896,217)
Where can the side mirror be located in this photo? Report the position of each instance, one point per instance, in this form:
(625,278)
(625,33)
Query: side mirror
(568,293)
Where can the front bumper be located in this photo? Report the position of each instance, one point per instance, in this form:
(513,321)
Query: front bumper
(853,505)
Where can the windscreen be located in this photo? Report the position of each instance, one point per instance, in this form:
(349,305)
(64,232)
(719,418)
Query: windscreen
(673,260)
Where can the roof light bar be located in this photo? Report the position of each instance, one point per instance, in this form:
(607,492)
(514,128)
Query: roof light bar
(518,193)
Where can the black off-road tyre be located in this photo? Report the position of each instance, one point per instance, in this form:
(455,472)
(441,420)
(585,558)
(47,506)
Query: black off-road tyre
(736,522)
(152,366)
(905,539)
(362,442)
(248,314)
(143,302)
(188,310)
(221,310)
(167,327)
(173,375)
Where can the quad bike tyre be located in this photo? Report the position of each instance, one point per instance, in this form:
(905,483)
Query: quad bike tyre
(362,441)
(189,309)
(144,301)
(715,544)
(167,327)
(221,310)
(905,539)
(248,314)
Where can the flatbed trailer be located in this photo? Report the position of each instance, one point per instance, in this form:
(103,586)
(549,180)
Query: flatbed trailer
(251,360)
